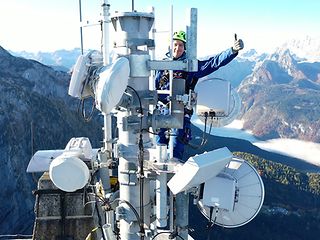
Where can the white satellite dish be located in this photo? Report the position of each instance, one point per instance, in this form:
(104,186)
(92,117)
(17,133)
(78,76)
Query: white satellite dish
(234,196)
(218,101)
(112,83)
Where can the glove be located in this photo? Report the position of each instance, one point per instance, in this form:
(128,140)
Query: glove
(238,45)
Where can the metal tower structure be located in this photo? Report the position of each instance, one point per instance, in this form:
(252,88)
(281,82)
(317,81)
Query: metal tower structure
(151,200)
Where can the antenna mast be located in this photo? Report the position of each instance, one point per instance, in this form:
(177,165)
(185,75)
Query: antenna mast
(81,35)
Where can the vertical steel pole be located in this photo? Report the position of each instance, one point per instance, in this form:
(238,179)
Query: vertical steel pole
(81,37)
(171,75)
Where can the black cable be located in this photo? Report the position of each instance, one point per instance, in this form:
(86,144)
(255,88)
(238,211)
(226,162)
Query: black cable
(15,236)
(154,133)
(203,141)
(140,105)
(128,203)
(141,183)
(99,217)
(211,223)
(91,77)
(102,36)
(86,117)
(179,237)
(139,99)
(175,235)
(141,174)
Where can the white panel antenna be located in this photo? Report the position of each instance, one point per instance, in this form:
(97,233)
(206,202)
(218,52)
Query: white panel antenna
(218,101)
(41,160)
(78,86)
(199,169)
(235,195)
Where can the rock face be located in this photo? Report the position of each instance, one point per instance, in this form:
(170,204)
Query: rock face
(34,99)
(280,92)
(281,98)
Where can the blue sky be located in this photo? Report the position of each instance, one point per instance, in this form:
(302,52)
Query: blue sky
(49,25)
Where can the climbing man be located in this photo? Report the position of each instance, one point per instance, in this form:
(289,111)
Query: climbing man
(181,137)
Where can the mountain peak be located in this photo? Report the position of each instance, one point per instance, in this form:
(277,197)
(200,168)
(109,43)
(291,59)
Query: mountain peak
(4,53)
(305,49)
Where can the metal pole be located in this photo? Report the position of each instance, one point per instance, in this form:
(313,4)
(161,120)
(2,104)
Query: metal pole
(81,37)
(106,153)
(192,40)
(105,31)
(171,76)
(106,61)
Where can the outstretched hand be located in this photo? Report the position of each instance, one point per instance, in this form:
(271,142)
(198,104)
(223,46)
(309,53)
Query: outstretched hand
(238,45)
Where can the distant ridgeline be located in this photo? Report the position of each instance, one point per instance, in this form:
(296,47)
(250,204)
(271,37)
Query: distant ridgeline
(36,113)
(291,208)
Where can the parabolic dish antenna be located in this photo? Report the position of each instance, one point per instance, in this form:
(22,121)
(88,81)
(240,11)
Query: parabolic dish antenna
(69,173)
(217,100)
(113,81)
(234,197)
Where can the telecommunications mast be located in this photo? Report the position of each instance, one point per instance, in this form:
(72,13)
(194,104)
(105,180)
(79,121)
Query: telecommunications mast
(129,176)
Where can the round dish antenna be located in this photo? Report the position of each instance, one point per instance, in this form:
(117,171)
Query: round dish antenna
(234,197)
(112,83)
(69,173)
(217,102)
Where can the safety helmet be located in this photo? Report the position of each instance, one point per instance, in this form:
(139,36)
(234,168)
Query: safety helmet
(181,35)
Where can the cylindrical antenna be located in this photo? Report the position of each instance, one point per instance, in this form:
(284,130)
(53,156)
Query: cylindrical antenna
(81,37)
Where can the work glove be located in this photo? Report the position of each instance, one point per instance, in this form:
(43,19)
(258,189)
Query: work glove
(238,45)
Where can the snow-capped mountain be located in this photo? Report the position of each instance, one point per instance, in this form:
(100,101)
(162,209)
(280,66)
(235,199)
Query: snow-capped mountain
(304,49)
(62,60)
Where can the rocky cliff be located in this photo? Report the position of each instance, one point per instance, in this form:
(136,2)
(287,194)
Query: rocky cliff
(33,99)
(281,98)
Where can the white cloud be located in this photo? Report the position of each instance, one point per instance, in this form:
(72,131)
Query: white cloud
(307,151)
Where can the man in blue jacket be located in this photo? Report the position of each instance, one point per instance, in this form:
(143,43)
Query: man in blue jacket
(181,137)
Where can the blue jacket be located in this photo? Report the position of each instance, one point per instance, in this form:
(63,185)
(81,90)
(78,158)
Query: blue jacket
(205,67)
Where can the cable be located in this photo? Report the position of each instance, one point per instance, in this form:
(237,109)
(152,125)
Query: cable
(91,78)
(15,236)
(141,174)
(204,139)
(83,111)
(171,236)
(98,213)
(154,237)
(154,133)
(211,223)
(140,104)
(141,182)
